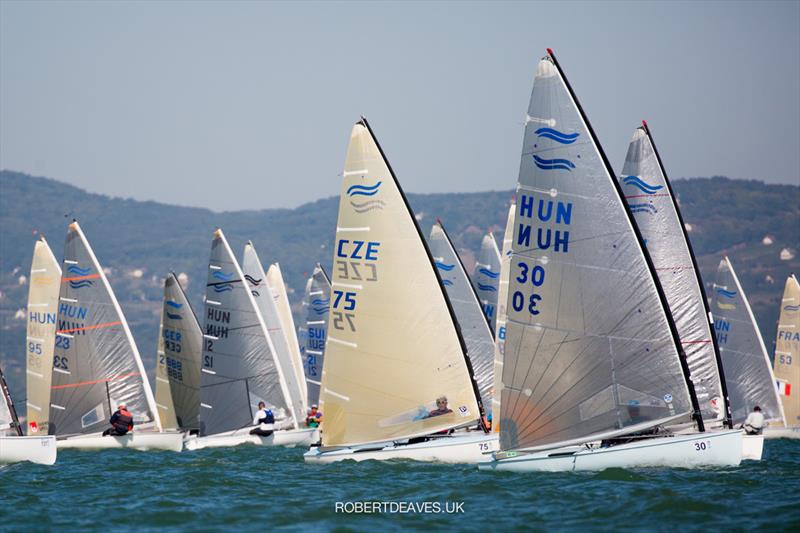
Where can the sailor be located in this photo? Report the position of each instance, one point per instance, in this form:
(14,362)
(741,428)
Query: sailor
(441,407)
(754,424)
(265,421)
(121,422)
(313,417)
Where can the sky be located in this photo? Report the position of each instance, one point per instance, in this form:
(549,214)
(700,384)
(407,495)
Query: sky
(249,105)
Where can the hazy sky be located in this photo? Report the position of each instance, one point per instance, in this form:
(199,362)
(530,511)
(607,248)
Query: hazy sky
(249,105)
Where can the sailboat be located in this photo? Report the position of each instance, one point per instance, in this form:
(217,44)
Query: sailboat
(393,346)
(502,314)
(240,364)
(787,362)
(96,366)
(475,327)
(180,346)
(748,371)
(656,213)
(45,282)
(486,277)
(14,447)
(316,304)
(593,366)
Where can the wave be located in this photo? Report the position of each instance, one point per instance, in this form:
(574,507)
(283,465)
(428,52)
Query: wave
(79,271)
(792,308)
(367,206)
(726,293)
(642,185)
(81,284)
(174,304)
(174,316)
(489,273)
(321,301)
(223,287)
(252,280)
(363,190)
(320,310)
(222,275)
(447,283)
(553,164)
(643,208)
(444,266)
(489,288)
(255,293)
(560,137)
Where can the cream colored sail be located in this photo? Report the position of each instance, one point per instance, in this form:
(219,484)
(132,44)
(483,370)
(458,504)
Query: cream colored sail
(45,283)
(502,314)
(392,346)
(787,353)
(278,289)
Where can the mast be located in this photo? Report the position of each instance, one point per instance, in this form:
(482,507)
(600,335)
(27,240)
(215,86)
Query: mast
(10,404)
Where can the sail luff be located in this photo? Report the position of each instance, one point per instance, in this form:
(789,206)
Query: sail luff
(8,410)
(787,352)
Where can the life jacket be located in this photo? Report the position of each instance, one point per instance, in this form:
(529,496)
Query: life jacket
(268,417)
(124,421)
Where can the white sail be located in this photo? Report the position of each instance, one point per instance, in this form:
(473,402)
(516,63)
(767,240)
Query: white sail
(45,282)
(316,306)
(96,366)
(267,307)
(475,328)
(655,211)
(590,349)
(9,423)
(502,314)
(748,371)
(486,278)
(278,289)
(787,352)
(392,347)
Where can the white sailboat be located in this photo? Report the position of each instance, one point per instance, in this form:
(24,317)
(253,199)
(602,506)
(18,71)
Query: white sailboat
(486,277)
(14,447)
(96,366)
(241,366)
(748,371)
(593,366)
(502,314)
(787,362)
(393,346)
(316,304)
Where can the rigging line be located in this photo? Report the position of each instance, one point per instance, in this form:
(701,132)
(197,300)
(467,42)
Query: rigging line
(223,282)
(96,326)
(93,382)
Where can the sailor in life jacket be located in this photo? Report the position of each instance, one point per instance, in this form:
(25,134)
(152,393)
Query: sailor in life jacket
(754,424)
(313,417)
(121,422)
(265,421)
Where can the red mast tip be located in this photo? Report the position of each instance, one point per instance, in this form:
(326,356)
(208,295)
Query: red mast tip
(644,123)
(438,221)
(550,51)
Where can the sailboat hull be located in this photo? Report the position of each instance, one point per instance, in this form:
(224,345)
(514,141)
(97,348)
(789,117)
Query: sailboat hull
(782,432)
(138,440)
(451,449)
(289,437)
(41,450)
(752,447)
(722,448)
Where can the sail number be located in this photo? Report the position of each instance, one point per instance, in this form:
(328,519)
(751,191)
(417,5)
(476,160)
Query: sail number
(35,347)
(786,359)
(347,302)
(520,300)
(60,362)
(701,446)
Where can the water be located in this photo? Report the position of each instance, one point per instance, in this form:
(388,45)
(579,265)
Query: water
(259,488)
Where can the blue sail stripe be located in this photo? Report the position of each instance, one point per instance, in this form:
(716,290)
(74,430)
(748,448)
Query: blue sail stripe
(488,288)
(447,282)
(79,271)
(560,137)
(792,308)
(489,273)
(726,293)
(553,164)
(171,303)
(174,316)
(642,185)
(222,275)
(444,266)
(366,190)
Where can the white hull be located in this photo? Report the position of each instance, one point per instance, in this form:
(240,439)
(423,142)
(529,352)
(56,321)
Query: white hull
(782,433)
(459,448)
(723,448)
(284,437)
(752,447)
(41,450)
(138,440)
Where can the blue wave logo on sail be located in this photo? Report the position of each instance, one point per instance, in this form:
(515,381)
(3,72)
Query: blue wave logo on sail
(252,280)
(80,284)
(365,190)
(792,308)
(553,164)
(730,295)
(321,301)
(320,310)
(79,271)
(642,185)
(444,266)
(223,287)
(488,288)
(174,316)
(650,209)
(488,273)
(447,283)
(173,304)
(559,137)
(222,276)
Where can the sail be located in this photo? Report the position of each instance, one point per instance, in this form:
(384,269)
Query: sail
(748,371)
(180,346)
(9,424)
(267,308)
(486,277)
(474,324)
(239,368)
(787,352)
(96,366)
(502,313)
(45,282)
(278,289)
(589,347)
(316,304)
(392,347)
(655,211)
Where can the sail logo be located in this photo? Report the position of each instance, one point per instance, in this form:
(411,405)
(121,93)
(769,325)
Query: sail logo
(444,266)
(648,208)
(729,295)
(252,280)
(553,164)
(447,283)
(487,288)
(222,276)
(488,273)
(81,277)
(81,283)
(174,305)
(368,203)
(555,135)
(792,308)
(320,305)
(642,185)
(222,287)
(74,269)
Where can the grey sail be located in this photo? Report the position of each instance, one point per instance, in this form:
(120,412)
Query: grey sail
(656,213)
(589,347)
(486,278)
(748,371)
(180,348)
(257,282)
(96,365)
(9,423)
(475,328)
(238,366)
(314,330)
